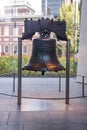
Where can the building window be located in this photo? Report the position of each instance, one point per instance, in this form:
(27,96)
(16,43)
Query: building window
(15,39)
(24,49)
(15,31)
(6,49)
(6,39)
(6,31)
(15,49)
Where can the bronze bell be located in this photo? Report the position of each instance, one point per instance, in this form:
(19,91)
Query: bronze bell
(44,56)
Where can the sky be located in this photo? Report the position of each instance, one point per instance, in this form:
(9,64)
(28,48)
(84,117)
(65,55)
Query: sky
(35,4)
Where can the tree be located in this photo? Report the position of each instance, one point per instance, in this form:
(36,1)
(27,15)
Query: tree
(67,13)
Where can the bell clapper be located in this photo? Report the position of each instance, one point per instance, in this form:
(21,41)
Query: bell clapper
(42,72)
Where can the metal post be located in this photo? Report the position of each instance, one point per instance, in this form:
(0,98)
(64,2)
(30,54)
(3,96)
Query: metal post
(82,86)
(59,83)
(67,70)
(19,68)
(45,7)
(13,82)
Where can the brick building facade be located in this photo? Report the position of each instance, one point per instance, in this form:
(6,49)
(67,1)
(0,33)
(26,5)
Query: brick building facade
(12,27)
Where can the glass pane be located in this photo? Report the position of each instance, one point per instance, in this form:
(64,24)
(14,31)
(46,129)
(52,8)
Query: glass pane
(6,30)
(6,49)
(24,49)
(15,49)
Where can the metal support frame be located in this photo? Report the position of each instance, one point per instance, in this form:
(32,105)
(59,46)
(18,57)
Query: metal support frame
(67,70)
(19,69)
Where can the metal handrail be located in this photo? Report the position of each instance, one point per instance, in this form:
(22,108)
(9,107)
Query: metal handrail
(83,89)
(82,76)
(13,74)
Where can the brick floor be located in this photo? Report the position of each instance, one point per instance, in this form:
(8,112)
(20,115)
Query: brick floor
(40,114)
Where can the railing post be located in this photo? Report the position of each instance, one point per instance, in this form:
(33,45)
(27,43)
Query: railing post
(13,82)
(67,70)
(59,83)
(82,86)
(19,68)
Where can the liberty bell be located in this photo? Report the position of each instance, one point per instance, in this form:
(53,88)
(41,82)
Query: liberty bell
(44,57)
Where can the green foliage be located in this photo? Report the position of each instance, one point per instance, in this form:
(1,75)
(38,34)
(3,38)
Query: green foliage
(67,13)
(9,64)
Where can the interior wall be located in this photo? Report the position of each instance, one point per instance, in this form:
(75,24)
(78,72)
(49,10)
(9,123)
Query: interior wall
(82,56)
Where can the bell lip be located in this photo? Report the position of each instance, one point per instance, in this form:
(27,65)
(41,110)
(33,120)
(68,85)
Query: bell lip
(43,69)
(43,39)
